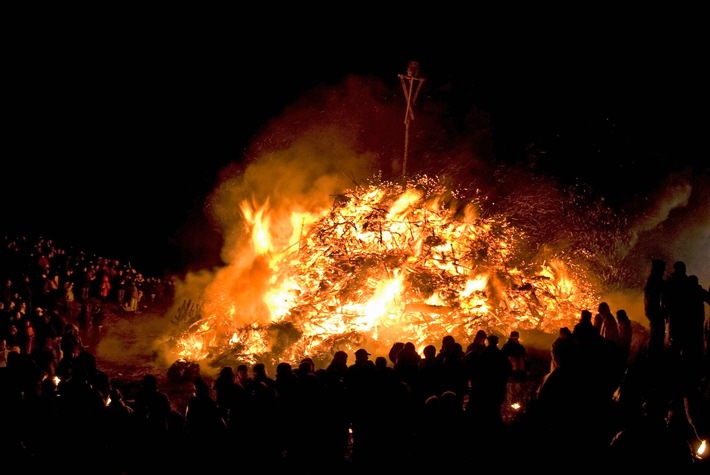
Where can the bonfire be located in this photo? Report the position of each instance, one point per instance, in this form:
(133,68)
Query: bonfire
(388,262)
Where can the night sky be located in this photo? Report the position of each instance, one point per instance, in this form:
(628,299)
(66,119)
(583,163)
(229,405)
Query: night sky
(115,136)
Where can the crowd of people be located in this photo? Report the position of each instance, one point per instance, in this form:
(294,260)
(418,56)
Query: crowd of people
(601,405)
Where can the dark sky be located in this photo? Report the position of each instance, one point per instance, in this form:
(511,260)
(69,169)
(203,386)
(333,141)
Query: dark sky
(115,135)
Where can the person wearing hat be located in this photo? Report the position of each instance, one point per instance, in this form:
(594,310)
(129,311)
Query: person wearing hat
(358,376)
(362,355)
(362,366)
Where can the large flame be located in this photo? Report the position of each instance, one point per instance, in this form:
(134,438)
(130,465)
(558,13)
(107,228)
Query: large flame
(387,262)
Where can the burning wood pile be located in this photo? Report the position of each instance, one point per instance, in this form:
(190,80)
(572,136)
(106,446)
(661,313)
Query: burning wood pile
(387,262)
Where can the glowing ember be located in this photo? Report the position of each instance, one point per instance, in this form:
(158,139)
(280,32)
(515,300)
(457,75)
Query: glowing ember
(386,263)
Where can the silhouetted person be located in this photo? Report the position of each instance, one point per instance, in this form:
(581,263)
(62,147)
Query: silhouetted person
(263,418)
(584,330)
(609,360)
(682,300)
(336,423)
(394,351)
(237,402)
(585,387)
(489,390)
(563,349)
(153,414)
(625,335)
(338,365)
(12,387)
(428,375)
(430,435)
(84,320)
(442,435)
(391,416)
(407,364)
(98,315)
(204,426)
(83,408)
(568,416)
(609,327)
(478,345)
(42,420)
(677,300)
(226,393)
(289,413)
(696,327)
(647,444)
(242,375)
(359,381)
(516,354)
(654,308)
(308,415)
(452,367)
(121,430)
(259,374)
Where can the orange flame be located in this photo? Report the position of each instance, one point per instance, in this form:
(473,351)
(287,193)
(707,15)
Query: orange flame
(386,263)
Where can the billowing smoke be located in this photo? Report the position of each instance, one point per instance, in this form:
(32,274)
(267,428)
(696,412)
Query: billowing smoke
(670,222)
(337,137)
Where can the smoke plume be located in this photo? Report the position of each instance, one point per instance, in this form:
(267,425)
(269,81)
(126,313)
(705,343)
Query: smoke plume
(337,137)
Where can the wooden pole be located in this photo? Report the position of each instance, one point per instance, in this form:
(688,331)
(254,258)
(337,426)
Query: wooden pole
(410,94)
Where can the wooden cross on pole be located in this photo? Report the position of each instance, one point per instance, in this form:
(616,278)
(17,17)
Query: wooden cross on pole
(410,94)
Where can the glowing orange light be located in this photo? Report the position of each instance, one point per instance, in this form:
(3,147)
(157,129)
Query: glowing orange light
(386,263)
